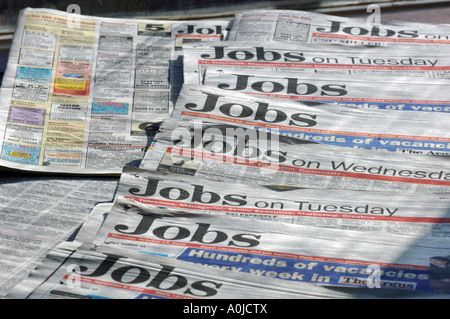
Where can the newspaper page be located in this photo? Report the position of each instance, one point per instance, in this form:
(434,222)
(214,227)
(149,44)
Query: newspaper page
(191,32)
(344,126)
(92,223)
(231,154)
(368,62)
(86,271)
(101,211)
(297,26)
(404,214)
(39,212)
(293,253)
(85,94)
(413,95)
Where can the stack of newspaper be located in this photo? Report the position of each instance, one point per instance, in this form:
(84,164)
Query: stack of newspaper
(278,154)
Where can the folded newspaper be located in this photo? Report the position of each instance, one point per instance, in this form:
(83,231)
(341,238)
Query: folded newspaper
(292,253)
(229,153)
(240,178)
(310,27)
(84,94)
(424,215)
(370,62)
(397,95)
(85,271)
(343,126)
(37,213)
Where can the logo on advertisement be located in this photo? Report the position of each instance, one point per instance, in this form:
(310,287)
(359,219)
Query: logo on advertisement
(258,53)
(201,234)
(164,279)
(260,113)
(282,85)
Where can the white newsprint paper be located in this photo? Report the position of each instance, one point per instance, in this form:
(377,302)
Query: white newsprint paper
(401,214)
(83,94)
(292,253)
(233,154)
(402,95)
(298,26)
(344,126)
(86,271)
(367,62)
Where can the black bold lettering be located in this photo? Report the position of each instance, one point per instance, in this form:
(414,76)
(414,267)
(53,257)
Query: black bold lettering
(333,88)
(293,87)
(246,55)
(263,112)
(274,86)
(306,120)
(335,27)
(234,200)
(241,240)
(210,103)
(165,275)
(261,55)
(181,233)
(203,230)
(152,185)
(243,110)
(294,57)
(182,194)
(104,266)
(118,275)
(241,83)
(143,226)
(218,54)
(198,195)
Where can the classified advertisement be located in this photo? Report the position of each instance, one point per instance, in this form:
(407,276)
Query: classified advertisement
(297,26)
(234,154)
(413,95)
(39,212)
(368,62)
(292,253)
(84,94)
(405,214)
(373,129)
(45,91)
(75,270)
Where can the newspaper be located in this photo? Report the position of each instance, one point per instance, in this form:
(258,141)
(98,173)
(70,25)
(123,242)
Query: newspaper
(85,94)
(344,126)
(191,32)
(39,212)
(85,271)
(413,95)
(311,27)
(404,214)
(292,253)
(367,62)
(230,154)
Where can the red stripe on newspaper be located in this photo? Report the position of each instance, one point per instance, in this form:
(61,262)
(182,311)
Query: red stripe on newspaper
(198,36)
(290,128)
(245,210)
(260,252)
(326,66)
(127,287)
(378,39)
(350,99)
(299,170)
